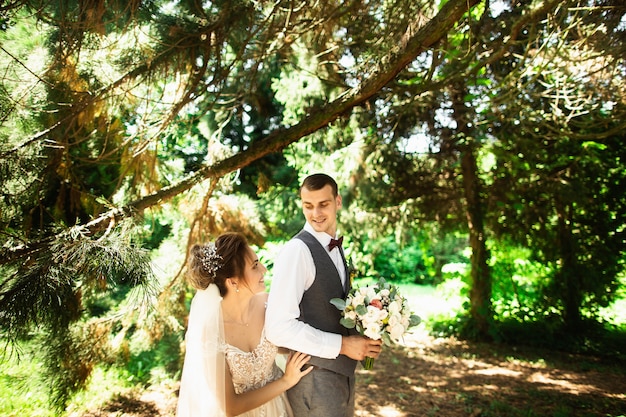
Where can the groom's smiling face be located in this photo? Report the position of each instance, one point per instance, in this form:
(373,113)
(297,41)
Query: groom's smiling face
(320,209)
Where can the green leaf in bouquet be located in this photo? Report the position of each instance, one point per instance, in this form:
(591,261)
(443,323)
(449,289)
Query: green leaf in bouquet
(414,320)
(347,323)
(361,310)
(340,303)
(392,292)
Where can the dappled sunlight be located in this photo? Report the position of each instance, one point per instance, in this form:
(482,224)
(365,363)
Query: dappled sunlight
(488,387)
(384,411)
(497,371)
(565,382)
(448,377)
(563,385)
(437,384)
(390,411)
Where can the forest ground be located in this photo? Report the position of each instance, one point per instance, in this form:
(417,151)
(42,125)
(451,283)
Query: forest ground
(451,378)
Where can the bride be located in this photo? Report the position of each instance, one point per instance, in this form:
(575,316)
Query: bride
(230,367)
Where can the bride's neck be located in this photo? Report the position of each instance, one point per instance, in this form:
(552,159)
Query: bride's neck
(236,310)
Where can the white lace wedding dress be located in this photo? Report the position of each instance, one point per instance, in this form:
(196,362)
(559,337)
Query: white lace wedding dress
(252,370)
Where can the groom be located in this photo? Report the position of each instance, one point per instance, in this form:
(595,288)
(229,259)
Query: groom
(310,271)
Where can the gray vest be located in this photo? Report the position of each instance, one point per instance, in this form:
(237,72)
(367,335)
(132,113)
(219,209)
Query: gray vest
(315,307)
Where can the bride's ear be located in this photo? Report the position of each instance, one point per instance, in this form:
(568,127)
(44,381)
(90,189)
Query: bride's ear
(232,284)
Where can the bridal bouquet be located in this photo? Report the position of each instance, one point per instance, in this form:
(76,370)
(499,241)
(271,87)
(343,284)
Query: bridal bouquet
(377,311)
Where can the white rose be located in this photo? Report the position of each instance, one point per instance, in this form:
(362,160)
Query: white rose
(394,307)
(372,315)
(350,315)
(371,293)
(394,320)
(372,331)
(396,332)
(358,299)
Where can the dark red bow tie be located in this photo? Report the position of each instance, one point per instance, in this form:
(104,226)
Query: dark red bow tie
(335,243)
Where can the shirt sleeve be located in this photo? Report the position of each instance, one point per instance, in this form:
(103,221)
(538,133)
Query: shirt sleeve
(293,273)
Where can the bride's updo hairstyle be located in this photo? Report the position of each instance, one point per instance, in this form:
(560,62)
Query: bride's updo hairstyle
(213,263)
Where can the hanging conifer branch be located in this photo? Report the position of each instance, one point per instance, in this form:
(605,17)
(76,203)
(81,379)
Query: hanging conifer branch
(415,41)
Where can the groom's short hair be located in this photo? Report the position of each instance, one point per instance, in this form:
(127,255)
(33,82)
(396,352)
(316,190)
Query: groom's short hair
(316,182)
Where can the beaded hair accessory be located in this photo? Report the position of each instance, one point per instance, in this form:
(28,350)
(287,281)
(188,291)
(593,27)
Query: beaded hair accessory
(211,260)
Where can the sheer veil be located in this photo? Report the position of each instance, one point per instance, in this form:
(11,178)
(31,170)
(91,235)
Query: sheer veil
(202,381)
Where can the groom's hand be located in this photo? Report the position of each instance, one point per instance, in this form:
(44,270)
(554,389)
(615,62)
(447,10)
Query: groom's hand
(360,347)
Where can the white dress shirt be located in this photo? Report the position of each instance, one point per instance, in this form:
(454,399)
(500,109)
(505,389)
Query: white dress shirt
(293,273)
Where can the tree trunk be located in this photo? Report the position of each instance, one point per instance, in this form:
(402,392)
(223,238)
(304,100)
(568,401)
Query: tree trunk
(480,291)
(567,277)
(481,283)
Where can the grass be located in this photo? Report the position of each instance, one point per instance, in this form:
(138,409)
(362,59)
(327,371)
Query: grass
(106,384)
(24,393)
(21,390)
(427,301)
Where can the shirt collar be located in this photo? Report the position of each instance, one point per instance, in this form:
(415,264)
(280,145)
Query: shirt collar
(322,237)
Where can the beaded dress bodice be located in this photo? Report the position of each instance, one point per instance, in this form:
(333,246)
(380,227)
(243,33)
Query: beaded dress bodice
(251,370)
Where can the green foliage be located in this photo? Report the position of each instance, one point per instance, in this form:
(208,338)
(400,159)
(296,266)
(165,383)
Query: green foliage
(69,357)
(150,361)
(157,228)
(281,211)
(398,262)
(570,217)
(50,289)
(58,291)
(23,391)
(522,315)
(413,255)
(591,338)
(104,105)
(518,284)
(25,387)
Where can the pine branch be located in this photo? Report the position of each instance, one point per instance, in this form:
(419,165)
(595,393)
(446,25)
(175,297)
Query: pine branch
(48,288)
(413,42)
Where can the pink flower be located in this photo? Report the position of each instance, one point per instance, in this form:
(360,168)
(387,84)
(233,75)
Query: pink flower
(376,303)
